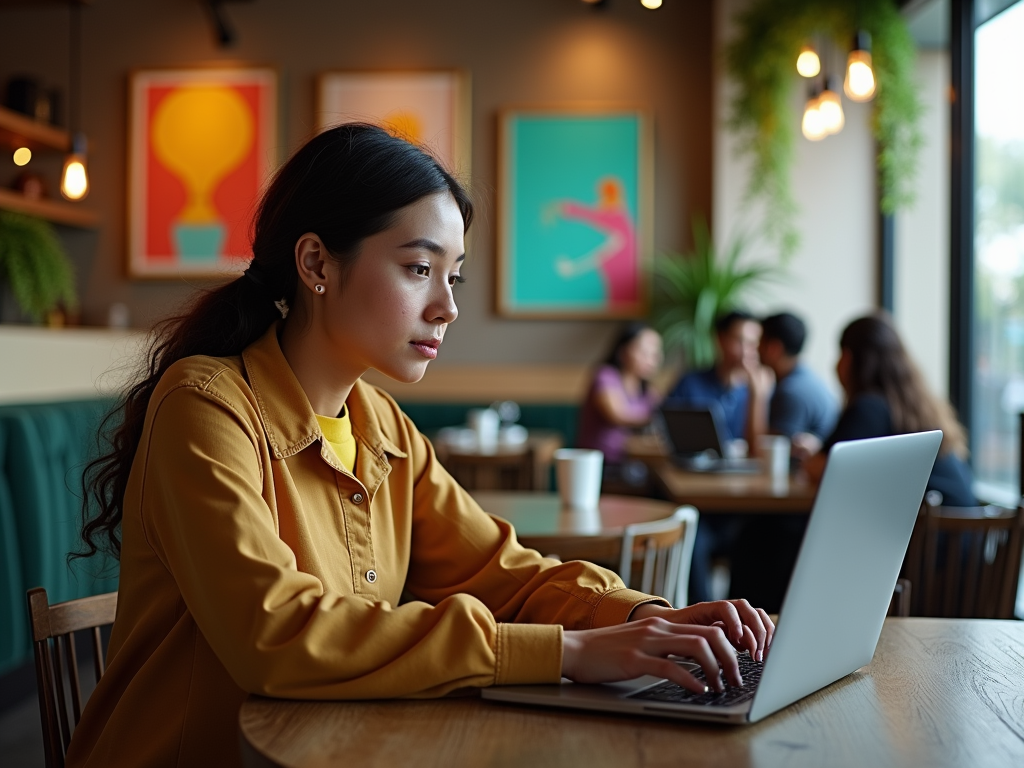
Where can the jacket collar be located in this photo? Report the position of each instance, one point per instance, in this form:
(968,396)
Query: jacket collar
(287,416)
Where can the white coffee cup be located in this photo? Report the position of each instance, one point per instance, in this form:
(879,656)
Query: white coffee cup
(578,473)
(774,450)
(484,422)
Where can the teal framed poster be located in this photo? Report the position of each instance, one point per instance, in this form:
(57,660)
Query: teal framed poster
(574,213)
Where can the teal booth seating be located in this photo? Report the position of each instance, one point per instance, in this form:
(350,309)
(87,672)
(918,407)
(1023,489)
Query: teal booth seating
(44,449)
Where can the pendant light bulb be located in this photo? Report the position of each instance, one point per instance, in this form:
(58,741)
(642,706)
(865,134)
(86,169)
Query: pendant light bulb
(651,4)
(807,63)
(831,108)
(813,125)
(74,180)
(860,75)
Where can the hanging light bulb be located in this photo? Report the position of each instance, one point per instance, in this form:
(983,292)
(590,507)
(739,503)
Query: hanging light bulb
(860,77)
(813,125)
(807,63)
(831,108)
(74,181)
(651,4)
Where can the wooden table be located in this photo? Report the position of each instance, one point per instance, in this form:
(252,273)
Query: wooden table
(723,492)
(939,692)
(542,524)
(522,466)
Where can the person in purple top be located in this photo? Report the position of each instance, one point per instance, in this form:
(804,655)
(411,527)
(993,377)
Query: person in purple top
(620,399)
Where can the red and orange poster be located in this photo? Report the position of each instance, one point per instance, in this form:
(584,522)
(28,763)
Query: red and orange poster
(202,144)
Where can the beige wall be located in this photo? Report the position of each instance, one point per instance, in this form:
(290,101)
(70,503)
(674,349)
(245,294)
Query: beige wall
(831,278)
(922,234)
(523,52)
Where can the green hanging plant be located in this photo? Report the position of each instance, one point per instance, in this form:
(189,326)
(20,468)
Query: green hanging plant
(761,61)
(33,262)
(691,290)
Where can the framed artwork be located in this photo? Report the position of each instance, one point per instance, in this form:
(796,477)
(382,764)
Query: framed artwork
(574,213)
(431,109)
(201,144)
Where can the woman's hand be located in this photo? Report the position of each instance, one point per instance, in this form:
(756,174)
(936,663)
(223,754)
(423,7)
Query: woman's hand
(707,633)
(642,647)
(747,628)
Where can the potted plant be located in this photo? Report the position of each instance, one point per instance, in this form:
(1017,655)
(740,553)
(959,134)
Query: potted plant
(692,289)
(35,266)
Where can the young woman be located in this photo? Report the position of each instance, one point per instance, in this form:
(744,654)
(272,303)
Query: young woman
(886,395)
(270,509)
(620,399)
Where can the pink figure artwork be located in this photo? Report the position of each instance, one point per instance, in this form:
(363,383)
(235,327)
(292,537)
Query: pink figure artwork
(616,257)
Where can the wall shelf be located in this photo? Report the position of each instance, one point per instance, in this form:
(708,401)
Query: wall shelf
(17,130)
(56,211)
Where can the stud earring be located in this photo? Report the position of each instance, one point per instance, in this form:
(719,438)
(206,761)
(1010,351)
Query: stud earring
(319,288)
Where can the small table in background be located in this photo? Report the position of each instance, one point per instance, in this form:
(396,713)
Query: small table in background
(723,492)
(542,524)
(522,466)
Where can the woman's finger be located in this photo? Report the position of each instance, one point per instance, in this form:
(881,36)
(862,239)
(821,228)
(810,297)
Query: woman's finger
(769,627)
(669,670)
(751,618)
(708,646)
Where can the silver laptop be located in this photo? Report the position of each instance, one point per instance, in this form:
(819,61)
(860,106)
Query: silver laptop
(837,599)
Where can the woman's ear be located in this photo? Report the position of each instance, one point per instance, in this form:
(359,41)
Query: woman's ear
(310,255)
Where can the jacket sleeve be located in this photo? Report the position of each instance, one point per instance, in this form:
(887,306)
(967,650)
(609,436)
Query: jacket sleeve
(459,549)
(277,630)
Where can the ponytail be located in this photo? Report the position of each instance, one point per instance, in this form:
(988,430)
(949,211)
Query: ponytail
(344,185)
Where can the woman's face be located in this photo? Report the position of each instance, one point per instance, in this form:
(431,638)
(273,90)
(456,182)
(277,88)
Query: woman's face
(389,309)
(643,356)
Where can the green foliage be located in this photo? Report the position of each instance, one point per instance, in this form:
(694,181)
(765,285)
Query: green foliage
(762,62)
(34,264)
(693,289)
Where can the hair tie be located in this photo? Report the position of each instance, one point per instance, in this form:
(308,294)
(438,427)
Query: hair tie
(257,273)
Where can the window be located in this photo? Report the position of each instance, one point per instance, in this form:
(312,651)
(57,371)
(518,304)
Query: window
(998,323)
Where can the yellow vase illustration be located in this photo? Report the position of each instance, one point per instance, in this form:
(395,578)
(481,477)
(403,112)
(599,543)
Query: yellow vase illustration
(201,134)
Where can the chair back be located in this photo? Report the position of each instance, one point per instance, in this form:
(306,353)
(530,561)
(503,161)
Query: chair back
(57,679)
(663,550)
(970,559)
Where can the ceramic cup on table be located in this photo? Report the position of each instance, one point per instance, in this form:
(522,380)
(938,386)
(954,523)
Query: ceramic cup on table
(578,474)
(485,423)
(774,450)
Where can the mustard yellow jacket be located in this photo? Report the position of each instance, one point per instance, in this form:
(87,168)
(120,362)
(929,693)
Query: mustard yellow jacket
(252,562)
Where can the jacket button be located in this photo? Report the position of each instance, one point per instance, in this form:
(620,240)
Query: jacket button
(371,576)
(357,498)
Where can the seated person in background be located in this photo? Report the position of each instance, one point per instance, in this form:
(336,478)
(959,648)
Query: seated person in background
(801,407)
(621,400)
(726,384)
(886,395)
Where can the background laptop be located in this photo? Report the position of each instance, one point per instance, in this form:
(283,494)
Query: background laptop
(695,434)
(835,605)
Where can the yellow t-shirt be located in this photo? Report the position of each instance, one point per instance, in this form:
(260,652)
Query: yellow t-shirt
(338,434)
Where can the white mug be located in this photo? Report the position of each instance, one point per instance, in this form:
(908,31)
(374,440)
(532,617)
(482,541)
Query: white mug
(578,472)
(774,450)
(484,422)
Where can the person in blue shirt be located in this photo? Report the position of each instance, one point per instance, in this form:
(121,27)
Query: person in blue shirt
(801,407)
(726,386)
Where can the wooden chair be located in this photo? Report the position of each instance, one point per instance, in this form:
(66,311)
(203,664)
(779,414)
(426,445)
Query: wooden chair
(968,561)
(53,639)
(661,551)
(508,470)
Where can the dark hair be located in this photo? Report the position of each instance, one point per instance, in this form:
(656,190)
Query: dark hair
(344,185)
(787,328)
(880,365)
(627,334)
(724,322)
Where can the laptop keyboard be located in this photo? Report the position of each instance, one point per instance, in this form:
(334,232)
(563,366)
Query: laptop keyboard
(673,693)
